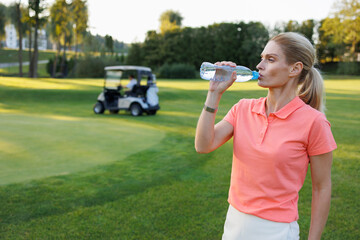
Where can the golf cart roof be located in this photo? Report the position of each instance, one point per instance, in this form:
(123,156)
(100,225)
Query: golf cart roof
(113,75)
(124,68)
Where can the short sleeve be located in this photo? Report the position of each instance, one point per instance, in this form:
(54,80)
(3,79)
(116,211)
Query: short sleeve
(231,115)
(321,139)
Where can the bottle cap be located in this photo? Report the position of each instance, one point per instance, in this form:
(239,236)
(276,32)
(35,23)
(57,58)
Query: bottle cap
(255,75)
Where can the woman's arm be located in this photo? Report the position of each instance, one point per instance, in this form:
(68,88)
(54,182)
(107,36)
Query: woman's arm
(321,193)
(208,135)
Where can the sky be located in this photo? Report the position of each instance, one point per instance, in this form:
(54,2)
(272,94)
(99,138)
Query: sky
(128,21)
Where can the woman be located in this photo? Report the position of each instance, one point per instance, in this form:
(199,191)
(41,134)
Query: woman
(275,139)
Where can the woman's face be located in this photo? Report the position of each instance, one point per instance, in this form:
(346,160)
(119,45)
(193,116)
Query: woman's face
(273,69)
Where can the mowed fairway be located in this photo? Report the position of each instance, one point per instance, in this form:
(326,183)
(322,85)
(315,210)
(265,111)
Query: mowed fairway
(66,173)
(33,147)
(38,143)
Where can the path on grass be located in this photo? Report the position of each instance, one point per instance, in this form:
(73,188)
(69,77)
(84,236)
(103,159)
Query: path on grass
(16,64)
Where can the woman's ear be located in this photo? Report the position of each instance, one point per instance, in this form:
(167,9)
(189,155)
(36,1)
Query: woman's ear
(296,69)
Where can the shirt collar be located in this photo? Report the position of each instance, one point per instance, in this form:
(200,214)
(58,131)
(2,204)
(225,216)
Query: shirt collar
(283,113)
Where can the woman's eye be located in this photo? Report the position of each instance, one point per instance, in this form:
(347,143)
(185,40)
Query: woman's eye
(268,59)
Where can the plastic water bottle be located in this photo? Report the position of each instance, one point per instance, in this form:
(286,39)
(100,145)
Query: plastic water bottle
(212,72)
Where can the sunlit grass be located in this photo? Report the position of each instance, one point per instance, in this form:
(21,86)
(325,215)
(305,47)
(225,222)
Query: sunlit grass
(50,83)
(34,147)
(79,175)
(348,86)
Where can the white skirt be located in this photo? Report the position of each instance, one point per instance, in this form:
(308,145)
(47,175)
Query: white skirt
(244,226)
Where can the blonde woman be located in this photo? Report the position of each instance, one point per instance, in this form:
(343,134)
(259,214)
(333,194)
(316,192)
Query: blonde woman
(275,139)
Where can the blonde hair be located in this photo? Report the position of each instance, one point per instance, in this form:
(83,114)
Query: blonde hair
(298,48)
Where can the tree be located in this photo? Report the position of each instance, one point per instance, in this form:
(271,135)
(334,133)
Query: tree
(67,40)
(327,49)
(276,29)
(238,42)
(16,17)
(92,43)
(226,37)
(136,54)
(2,21)
(169,21)
(60,19)
(292,26)
(151,46)
(80,17)
(307,28)
(109,43)
(27,27)
(254,37)
(344,24)
(37,9)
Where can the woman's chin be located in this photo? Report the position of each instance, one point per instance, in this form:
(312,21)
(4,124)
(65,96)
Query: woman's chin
(262,84)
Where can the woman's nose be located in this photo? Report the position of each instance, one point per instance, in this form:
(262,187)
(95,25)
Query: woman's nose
(260,66)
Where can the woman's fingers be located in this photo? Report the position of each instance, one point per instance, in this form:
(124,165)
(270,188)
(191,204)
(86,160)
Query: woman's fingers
(231,64)
(226,63)
(233,76)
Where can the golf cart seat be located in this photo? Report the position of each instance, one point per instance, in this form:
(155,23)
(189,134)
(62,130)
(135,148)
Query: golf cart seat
(137,91)
(112,96)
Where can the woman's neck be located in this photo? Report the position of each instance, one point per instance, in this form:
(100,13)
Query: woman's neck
(277,99)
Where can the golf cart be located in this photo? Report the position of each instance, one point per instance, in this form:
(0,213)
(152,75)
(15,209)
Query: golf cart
(141,98)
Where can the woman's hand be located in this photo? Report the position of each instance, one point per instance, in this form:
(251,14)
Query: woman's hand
(208,136)
(221,86)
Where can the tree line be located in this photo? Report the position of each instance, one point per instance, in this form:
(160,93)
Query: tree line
(238,42)
(183,49)
(336,39)
(67,19)
(25,21)
(66,23)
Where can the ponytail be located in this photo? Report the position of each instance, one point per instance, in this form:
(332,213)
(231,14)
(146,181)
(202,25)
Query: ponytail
(312,89)
(297,47)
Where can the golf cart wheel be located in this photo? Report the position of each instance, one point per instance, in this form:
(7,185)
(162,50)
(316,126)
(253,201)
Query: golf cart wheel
(99,108)
(135,109)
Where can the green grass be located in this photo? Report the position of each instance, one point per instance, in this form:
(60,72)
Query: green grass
(11,55)
(69,174)
(14,71)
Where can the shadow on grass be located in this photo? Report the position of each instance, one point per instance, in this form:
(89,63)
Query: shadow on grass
(171,161)
(173,157)
(79,103)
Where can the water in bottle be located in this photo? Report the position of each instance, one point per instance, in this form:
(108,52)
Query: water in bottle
(212,72)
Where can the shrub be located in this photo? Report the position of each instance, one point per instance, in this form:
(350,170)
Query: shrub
(60,71)
(87,67)
(341,68)
(177,71)
(93,67)
(90,67)
(348,68)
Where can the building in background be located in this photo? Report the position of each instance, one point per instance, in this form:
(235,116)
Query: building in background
(11,39)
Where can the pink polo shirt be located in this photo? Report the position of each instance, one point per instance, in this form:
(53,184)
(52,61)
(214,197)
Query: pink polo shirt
(271,156)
